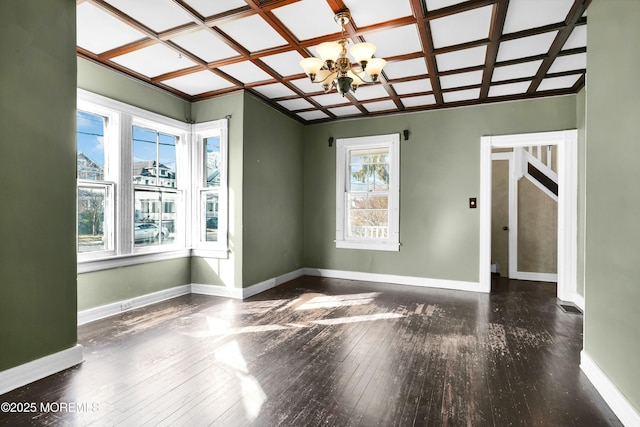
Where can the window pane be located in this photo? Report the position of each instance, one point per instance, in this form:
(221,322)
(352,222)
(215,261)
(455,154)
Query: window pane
(155,218)
(91,220)
(154,158)
(378,202)
(378,224)
(358,170)
(145,153)
(381,177)
(369,170)
(357,178)
(213,161)
(368,216)
(167,161)
(357,216)
(211,217)
(357,202)
(168,220)
(357,223)
(90,140)
(146,227)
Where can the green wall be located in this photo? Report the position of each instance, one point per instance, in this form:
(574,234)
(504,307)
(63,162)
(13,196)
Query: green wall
(440,171)
(272,193)
(117,284)
(104,287)
(214,271)
(265,193)
(98,79)
(37,214)
(107,286)
(612,332)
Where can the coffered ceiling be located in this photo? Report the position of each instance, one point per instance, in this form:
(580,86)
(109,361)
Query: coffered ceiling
(440,53)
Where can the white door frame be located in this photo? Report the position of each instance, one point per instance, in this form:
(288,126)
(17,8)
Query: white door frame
(567,205)
(512,209)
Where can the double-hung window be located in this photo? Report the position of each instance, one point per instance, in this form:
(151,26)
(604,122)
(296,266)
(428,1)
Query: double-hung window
(368,192)
(210,185)
(133,184)
(96,174)
(157,195)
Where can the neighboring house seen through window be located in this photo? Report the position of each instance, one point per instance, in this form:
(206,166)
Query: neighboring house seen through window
(155,183)
(95,216)
(211,186)
(147,185)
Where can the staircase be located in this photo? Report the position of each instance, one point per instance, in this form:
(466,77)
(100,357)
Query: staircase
(536,164)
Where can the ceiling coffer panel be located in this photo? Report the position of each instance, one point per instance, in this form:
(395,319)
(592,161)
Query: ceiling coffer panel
(409,55)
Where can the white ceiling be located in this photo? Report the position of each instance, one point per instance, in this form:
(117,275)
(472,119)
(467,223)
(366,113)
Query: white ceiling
(439,53)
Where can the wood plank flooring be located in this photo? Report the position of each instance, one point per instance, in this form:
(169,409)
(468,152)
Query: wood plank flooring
(328,352)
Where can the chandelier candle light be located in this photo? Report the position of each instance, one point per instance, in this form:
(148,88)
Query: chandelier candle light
(335,69)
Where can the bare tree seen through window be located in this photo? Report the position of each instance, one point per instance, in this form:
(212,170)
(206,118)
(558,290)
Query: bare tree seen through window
(368,198)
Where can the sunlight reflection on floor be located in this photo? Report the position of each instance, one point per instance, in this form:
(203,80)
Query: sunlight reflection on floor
(217,326)
(338,301)
(253,396)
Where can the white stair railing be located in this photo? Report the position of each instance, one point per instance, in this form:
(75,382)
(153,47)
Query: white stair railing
(533,156)
(544,153)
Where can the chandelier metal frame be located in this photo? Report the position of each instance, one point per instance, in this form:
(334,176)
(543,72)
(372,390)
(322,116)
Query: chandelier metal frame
(336,70)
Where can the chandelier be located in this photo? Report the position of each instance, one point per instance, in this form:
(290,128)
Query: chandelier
(335,69)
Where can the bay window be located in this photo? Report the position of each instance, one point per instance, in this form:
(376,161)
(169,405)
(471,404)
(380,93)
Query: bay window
(148,187)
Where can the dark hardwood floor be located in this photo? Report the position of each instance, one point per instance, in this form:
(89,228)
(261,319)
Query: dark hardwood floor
(317,352)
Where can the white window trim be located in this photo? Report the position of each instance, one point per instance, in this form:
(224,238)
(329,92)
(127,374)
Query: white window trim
(110,220)
(343,146)
(122,117)
(201,131)
(110,262)
(111,174)
(183,182)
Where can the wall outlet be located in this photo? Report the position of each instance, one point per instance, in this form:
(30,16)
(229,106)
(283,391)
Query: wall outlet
(126,305)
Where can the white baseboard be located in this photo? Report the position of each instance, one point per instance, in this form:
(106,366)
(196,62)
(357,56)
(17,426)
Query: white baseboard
(573,298)
(271,283)
(216,291)
(29,372)
(536,277)
(578,300)
(399,280)
(624,410)
(238,293)
(101,312)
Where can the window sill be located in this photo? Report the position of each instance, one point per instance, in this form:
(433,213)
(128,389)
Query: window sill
(211,253)
(372,246)
(107,263)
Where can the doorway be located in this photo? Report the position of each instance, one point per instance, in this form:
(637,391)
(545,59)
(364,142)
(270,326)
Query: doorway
(501,215)
(524,213)
(566,142)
